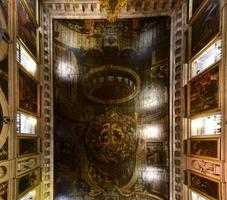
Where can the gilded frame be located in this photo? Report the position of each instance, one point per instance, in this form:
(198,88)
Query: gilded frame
(194,13)
(37,180)
(36,189)
(190,173)
(36,146)
(156,147)
(27,32)
(200,3)
(217,150)
(35,82)
(206,76)
(32,11)
(211,35)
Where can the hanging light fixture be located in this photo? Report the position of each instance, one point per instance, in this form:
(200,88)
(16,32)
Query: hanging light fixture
(113,8)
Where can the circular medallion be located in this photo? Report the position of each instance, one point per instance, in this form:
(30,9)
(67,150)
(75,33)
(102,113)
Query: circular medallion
(111,84)
(3,112)
(3,29)
(111,145)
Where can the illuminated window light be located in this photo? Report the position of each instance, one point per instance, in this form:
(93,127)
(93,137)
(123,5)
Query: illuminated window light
(26,60)
(67,67)
(151,174)
(26,124)
(66,198)
(153,98)
(151,132)
(212,55)
(64,70)
(195,196)
(209,125)
(30,196)
(151,103)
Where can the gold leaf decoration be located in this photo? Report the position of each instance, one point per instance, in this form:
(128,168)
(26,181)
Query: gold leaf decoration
(113,8)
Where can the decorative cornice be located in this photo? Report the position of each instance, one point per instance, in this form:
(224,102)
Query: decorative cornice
(94,9)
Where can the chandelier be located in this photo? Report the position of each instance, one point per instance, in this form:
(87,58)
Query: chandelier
(113,8)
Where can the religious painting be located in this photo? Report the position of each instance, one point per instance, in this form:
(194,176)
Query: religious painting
(4,77)
(208,148)
(204,92)
(28,181)
(155,154)
(28,93)
(4,8)
(4,39)
(111,108)
(31,8)
(206,27)
(27,146)
(206,186)
(196,4)
(26,29)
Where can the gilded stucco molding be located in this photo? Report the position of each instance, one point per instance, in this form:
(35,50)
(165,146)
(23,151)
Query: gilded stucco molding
(205,167)
(4,171)
(27,164)
(3,189)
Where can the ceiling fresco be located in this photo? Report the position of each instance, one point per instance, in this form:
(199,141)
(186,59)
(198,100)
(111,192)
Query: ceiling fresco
(111,108)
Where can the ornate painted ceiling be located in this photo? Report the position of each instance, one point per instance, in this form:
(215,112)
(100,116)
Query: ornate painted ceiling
(113,100)
(111,107)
